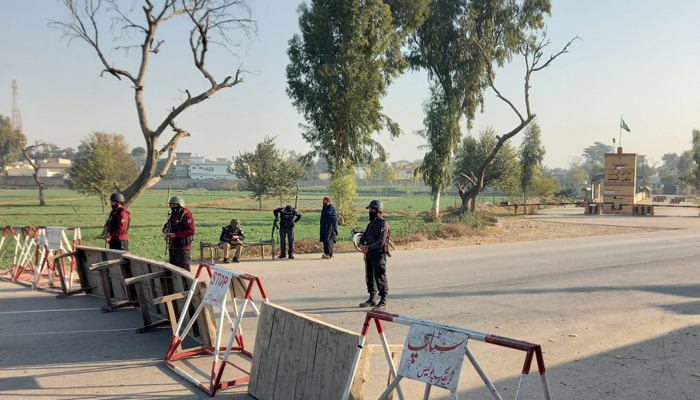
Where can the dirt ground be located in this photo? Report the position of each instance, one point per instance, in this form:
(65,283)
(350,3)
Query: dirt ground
(519,229)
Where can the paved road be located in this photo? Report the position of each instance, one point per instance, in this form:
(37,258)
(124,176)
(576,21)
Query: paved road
(617,317)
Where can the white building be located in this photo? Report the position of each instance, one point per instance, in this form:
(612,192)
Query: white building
(47,167)
(201,168)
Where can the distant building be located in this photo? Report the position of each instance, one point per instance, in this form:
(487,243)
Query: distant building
(404,169)
(47,167)
(201,168)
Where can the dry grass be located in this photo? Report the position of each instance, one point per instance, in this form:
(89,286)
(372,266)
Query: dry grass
(454,230)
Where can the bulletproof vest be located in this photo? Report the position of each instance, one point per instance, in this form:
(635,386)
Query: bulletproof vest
(286,220)
(374,232)
(179,226)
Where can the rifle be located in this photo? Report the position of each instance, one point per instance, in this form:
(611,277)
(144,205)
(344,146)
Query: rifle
(274,226)
(105,233)
(170,226)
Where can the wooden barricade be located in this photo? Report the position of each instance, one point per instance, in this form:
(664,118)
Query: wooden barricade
(297,357)
(116,276)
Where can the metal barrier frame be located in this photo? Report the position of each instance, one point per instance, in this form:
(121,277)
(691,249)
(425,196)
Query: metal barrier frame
(217,370)
(532,351)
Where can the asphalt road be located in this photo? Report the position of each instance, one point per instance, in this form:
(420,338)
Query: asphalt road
(617,317)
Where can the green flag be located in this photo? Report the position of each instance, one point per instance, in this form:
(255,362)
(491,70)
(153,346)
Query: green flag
(623,125)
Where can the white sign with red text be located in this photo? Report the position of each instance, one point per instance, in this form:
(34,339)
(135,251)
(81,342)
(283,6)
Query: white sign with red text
(218,286)
(433,355)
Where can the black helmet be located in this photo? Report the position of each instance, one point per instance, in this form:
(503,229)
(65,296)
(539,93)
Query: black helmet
(118,197)
(376,204)
(288,209)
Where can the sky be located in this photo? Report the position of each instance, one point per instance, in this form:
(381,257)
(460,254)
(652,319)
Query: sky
(637,59)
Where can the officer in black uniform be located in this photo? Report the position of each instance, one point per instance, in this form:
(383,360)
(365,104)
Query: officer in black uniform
(288,218)
(374,243)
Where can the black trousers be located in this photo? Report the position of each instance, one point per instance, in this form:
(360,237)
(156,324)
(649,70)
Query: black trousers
(180,258)
(286,234)
(117,244)
(328,242)
(375,274)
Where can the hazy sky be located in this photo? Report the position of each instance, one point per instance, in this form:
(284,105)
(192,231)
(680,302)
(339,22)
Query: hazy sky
(638,59)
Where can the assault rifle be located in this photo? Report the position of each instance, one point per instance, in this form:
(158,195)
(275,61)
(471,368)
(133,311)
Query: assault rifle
(170,226)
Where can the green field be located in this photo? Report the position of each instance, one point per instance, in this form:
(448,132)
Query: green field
(212,210)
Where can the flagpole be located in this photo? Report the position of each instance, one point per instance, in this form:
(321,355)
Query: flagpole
(620,131)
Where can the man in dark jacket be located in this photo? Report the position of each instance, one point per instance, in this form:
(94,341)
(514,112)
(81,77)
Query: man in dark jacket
(374,244)
(179,231)
(288,218)
(329,227)
(117,225)
(232,236)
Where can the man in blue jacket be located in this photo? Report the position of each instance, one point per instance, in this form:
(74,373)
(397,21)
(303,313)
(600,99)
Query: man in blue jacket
(329,227)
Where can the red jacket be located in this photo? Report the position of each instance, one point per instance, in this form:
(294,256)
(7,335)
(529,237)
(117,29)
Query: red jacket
(182,224)
(118,224)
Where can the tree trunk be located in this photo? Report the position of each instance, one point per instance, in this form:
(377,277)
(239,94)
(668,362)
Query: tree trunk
(149,169)
(260,202)
(41,187)
(436,206)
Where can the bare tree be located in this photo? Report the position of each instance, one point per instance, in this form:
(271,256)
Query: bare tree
(26,150)
(209,23)
(532,50)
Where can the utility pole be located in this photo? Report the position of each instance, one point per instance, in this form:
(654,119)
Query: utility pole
(16,117)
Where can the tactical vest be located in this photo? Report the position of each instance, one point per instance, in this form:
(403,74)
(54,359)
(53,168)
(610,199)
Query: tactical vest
(179,226)
(374,233)
(286,220)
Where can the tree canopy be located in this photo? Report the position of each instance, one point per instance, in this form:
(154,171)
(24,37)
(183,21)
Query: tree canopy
(10,143)
(531,155)
(266,172)
(105,162)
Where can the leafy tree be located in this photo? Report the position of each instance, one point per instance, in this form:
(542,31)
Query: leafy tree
(380,172)
(645,169)
(208,23)
(266,172)
(343,189)
(503,172)
(579,175)
(312,173)
(542,184)
(10,143)
(531,155)
(140,153)
(691,175)
(341,65)
(594,157)
(670,161)
(105,163)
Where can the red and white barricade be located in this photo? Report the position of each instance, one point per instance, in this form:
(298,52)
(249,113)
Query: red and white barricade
(24,238)
(222,280)
(52,243)
(433,353)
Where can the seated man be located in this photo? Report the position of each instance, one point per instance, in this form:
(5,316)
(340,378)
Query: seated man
(232,235)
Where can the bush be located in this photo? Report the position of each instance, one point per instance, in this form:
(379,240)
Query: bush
(454,230)
(476,220)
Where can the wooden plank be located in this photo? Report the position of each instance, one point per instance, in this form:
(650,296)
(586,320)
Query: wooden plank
(268,371)
(290,357)
(319,360)
(262,339)
(303,387)
(328,364)
(170,297)
(106,264)
(346,349)
(141,278)
(142,303)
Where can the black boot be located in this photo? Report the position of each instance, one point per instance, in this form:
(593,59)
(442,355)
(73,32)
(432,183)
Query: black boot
(381,305)
(371,302)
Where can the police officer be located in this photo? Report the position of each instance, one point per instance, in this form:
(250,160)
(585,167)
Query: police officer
(288,218)
(232,236)
(117,225)
(374,244)
(179,231)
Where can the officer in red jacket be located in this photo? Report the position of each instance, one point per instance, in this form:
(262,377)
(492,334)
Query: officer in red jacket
(117,225)
(179,231)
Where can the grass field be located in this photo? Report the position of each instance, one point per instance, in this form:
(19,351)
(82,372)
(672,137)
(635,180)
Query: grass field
(211,209)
